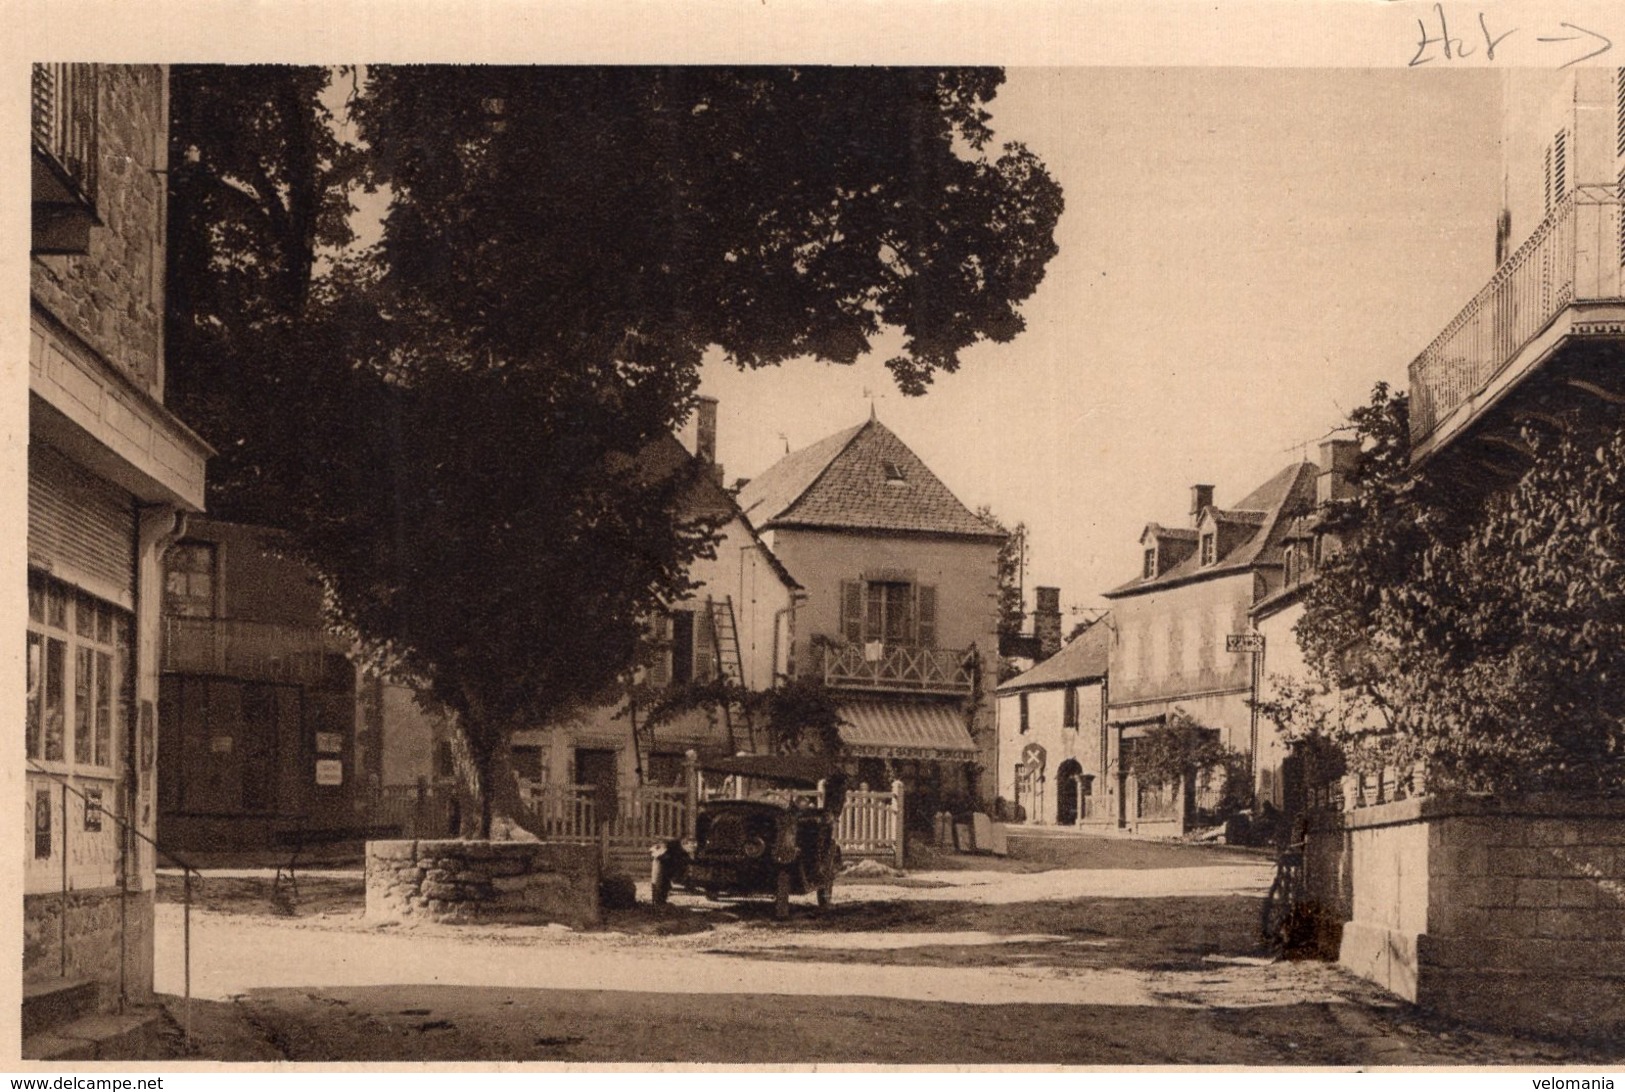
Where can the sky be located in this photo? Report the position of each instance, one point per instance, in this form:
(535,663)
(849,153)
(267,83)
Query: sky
(1243,254)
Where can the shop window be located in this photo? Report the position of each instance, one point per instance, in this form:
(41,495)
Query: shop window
(79,673)
(1069,716)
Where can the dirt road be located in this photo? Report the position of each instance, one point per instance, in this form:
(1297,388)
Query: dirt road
(1076,951)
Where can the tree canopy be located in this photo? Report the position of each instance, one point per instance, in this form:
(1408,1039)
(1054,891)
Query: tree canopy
(451,424)
(1484,636)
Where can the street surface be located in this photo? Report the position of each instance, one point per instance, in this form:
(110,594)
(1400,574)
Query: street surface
(1077,950)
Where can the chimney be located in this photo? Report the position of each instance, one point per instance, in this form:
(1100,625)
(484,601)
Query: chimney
(1201,497)
(1047,622)
(705,434)
(1338,458)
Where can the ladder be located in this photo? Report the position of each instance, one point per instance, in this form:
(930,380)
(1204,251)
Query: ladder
(730,665)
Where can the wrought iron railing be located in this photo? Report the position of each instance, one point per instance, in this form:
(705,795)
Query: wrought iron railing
(1574,255)
(898,667)
(64,124)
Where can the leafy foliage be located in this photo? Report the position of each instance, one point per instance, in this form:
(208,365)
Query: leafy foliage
(453,427)
(798,716)
(1485,638)
(1181,750)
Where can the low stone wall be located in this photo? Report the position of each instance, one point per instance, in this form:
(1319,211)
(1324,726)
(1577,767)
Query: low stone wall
(1504,912)
(94,920)
(449,880)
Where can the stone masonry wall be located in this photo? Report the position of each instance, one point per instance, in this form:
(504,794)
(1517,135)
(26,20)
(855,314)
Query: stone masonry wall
(93,940)
(1509,913)
(450,880)
(112,297)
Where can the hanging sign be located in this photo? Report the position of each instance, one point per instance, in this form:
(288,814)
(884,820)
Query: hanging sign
(1244,642)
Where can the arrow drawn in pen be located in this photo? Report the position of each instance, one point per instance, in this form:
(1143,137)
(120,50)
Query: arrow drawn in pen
(1606,44)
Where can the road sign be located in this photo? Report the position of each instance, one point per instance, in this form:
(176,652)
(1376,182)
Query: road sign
(1244,642)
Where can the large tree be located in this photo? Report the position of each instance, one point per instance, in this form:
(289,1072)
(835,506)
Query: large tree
(451,424)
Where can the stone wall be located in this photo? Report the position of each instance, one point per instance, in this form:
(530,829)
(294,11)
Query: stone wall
(450,880)
(112,297)
(94,921)
(1504,912)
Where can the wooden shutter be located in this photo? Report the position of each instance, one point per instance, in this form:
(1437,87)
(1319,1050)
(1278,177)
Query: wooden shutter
(660,661)
(926,614)
(80,527)
(852,612)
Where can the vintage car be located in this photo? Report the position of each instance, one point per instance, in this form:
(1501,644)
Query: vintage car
(771,841)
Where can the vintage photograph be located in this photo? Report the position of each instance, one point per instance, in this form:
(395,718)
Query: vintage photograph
(826,565)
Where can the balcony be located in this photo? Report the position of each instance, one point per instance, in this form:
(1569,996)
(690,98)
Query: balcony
(261,651)
(63,131)
(894,668)
(1562,285)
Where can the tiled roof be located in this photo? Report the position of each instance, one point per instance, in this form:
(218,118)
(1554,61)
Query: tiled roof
(1239,515)
(1288,494)
(863,478)
(1084,657)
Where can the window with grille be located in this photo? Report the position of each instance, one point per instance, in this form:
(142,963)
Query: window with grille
(1150,564)
(80,676)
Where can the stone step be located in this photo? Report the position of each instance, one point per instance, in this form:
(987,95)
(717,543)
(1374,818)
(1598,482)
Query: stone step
(128,1036)
(54,1001)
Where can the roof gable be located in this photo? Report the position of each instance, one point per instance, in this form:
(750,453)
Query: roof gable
(863,478)
(1270,508)
(1084,657)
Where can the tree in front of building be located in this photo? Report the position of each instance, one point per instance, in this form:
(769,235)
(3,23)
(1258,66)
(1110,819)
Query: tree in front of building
(1483,639)
(449,424)
(1180,752)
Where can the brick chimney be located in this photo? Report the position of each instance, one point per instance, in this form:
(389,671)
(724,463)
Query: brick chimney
(1201,497)
(705,434)
(1338,458)
(1047,621)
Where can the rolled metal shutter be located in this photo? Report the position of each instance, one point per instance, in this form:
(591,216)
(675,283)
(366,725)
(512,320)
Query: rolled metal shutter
(79,526)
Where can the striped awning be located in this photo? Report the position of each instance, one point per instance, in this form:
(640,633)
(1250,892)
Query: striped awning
(933,731)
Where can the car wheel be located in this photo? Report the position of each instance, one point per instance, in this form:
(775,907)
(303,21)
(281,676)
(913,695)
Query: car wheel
(781,895)
(825,894)
(660,884)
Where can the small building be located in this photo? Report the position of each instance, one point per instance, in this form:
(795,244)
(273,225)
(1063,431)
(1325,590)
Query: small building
(111,476)
(1054,760)
(1181,629)
(901,615)
(269,734)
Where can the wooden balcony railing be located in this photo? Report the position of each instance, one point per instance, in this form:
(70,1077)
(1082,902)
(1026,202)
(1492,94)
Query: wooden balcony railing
(1574,255)
(263,651)
(897,667)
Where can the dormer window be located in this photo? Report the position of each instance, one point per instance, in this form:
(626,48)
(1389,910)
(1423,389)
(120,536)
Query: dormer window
(1150,563)
(894,473)
(1289,566)
(1210,547)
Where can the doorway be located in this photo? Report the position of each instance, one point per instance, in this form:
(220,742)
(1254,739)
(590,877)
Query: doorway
(598,768)
(1068,787)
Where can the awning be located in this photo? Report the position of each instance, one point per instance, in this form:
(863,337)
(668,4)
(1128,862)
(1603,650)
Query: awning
(933,731)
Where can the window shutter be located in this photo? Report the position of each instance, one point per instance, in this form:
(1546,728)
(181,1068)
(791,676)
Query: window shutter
(660,662)
(1548,174)
(852,612)
(927,615)
(705,647)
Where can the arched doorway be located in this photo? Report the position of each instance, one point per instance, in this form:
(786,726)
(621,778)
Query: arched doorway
(1068,781)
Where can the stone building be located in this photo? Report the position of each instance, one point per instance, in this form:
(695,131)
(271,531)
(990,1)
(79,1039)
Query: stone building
(1053,761)
(1175,623)
(901,611)
(111,475)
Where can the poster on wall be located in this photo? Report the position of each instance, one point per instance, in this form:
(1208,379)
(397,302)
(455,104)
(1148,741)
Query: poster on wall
(42,824)
(329,771)
(329,743)
(93,810)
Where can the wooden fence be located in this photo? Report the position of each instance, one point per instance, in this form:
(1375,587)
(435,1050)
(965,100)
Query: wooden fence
(415,811)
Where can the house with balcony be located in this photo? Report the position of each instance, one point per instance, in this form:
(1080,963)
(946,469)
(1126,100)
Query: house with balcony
(1052,736)
(1538,345)
(901,613)
(112,475)
(1182,638)
(269,735)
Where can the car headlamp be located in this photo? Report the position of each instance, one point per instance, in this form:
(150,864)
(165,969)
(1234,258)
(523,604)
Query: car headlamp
(753,847)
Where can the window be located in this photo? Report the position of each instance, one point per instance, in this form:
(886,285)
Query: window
(1289,565)
(445,759)
(79,673)
(665,770)
(890,612)
(1069,709)
(684,648)
(1150,563)
(1210,548)
(190,580)
(1025,723)
(894,473)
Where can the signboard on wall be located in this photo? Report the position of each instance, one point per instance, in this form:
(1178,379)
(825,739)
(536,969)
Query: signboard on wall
(1244,642)
(329,743)
(329,771)
(42,824)
(93,809)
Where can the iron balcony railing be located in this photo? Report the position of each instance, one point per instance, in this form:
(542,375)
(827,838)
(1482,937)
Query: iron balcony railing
(898,667)
(1573,256)
(64,127)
